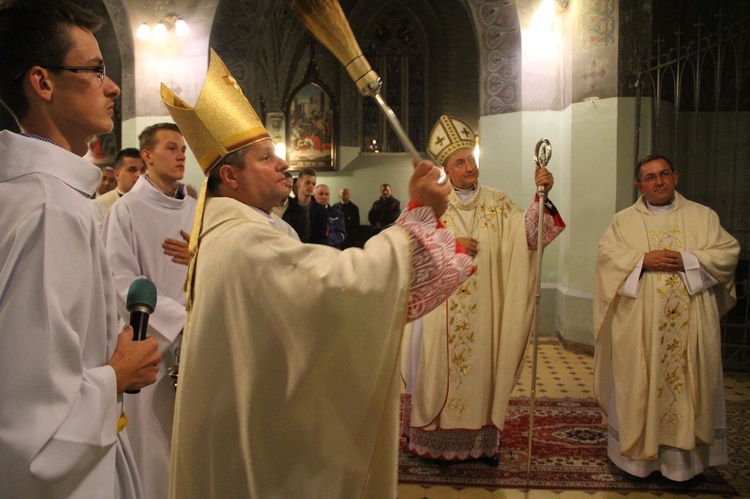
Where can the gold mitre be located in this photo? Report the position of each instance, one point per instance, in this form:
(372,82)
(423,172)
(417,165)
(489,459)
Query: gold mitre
(448,136)
(222,121)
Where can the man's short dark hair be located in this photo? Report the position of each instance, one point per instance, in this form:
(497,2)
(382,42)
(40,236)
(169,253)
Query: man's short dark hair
(649,159)
(310,172)
(236,159)
(128,152)
(35,32)
(147,136)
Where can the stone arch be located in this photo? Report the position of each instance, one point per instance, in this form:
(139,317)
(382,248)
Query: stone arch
(499,36)
(123,38)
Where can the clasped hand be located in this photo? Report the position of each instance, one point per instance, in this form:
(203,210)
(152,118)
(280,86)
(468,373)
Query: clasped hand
(663,261)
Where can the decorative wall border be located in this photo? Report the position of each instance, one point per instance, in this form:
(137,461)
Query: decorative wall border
(499,38)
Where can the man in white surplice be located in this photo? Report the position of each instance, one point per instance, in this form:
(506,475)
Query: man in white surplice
(146,234)
(664,276)
(63,366)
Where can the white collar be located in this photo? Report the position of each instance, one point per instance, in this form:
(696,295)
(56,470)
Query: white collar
(660,210)
(23,155)
(465,194)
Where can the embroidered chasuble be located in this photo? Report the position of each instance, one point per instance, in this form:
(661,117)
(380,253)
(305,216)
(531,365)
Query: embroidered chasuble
(308,404)
(471,349)
(662,348)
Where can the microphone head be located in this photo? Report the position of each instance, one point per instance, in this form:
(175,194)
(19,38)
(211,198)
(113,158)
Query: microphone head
(141,294)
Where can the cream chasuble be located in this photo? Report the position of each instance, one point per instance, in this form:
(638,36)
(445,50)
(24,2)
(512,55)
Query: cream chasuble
(663,347)
(293,374)
(473,344)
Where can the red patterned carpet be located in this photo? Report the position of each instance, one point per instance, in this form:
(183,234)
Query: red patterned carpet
(569,453)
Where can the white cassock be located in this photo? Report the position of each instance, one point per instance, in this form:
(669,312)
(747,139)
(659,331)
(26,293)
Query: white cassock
(290,387)
(59,406)
(134,230)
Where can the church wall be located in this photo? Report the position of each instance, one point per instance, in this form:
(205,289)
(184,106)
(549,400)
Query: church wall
(507,144)
(364,173)
(592,149)
(179,62)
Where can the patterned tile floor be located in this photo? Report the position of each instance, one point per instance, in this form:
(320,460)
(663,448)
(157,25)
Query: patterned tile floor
(562,373)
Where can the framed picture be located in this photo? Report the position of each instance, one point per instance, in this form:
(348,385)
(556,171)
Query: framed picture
(311,128)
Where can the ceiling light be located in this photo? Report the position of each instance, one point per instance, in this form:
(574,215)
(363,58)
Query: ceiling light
(143,32)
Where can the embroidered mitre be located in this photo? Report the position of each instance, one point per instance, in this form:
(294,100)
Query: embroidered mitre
(448,136)
(222,121)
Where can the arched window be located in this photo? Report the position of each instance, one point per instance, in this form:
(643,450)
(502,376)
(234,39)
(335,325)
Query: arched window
(396,49)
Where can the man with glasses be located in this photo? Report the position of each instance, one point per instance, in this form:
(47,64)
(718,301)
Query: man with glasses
(664,277)
(336,229)
(63,366)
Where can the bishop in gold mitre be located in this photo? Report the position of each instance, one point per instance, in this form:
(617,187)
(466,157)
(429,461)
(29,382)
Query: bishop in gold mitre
(273,404)
(222,121)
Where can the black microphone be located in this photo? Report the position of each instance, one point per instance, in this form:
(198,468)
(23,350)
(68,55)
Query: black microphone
(141,303)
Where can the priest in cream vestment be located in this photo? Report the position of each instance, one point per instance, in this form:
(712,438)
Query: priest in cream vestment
(664,277)
(290,388)
(461,363)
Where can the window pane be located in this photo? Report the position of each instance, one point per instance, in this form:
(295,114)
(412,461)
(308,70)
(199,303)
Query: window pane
(397,48)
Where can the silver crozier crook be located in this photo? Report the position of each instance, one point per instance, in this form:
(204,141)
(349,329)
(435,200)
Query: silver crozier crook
(542,155)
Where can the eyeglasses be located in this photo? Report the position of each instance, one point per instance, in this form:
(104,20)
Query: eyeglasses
(100,70)
(664,175)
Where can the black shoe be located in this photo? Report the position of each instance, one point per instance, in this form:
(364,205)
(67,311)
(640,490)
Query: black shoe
(492,462)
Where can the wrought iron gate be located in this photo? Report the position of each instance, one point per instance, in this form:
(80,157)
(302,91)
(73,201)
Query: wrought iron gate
(693,105)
